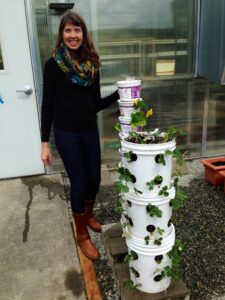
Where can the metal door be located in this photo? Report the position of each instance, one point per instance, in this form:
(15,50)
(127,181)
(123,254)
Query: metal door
(20,143)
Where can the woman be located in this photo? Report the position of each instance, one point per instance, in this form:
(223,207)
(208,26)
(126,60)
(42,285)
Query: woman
(71,99)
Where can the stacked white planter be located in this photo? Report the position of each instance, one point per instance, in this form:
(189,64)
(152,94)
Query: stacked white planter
(149,237)
(129,90)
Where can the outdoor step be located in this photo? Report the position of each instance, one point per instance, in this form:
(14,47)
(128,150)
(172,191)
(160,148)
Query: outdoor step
(116,249)
(114,243)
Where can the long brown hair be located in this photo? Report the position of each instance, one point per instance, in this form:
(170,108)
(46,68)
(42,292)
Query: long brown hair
(87,51)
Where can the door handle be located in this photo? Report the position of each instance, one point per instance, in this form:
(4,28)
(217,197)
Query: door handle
(27,90)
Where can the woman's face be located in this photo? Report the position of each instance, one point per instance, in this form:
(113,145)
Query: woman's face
(72,36)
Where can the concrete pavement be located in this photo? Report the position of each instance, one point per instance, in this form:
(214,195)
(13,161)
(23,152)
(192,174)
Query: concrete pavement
(38,258)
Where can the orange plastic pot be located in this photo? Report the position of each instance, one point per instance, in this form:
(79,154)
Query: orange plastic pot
(213,168)
(223,174)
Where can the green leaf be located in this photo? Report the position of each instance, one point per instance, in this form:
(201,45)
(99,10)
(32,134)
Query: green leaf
(128,258)
(137,191)
(150,185)
(168,152)
(158,241)
(153,210)
(179,199)
(138,119)
(178,156)
(118,209)
(159,159)
(129,284)
(117,127)
(147,238)
(160,230)
(121,188)
(164,191)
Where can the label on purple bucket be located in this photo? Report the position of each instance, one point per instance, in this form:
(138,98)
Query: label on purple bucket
(135,91)
(131,92)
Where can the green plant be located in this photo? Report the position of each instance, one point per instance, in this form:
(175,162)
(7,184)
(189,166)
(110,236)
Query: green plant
(150,185)
(137,191)
(117,127)
(160,231)
(129,284)
(129,220)
(135,272)
(172,133)
(174,220)
(178,201)
(140,117)
(164,191)
(177,154)
(175,255)
(147,239)
(119,208)
(158,241)
(131,256)
(121,187)
(153,210)
(130,156)
(156,181)
(160,159)
(124,177)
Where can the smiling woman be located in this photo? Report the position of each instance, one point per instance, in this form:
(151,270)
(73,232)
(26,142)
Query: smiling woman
(72,36)
(71,100)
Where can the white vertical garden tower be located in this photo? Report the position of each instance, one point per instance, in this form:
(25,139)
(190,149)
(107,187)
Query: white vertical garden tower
(147,191)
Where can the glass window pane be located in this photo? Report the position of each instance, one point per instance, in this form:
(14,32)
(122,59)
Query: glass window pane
(216,115)
(154,42)
(1,59)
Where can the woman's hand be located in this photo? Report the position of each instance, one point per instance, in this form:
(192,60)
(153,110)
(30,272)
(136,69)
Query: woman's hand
(46,154)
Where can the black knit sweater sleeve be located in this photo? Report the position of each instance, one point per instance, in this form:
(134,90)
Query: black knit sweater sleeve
(102,103)
(47,100)
(69,106)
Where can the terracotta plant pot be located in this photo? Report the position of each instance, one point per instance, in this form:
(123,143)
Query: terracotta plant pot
(213,166)
(223,174)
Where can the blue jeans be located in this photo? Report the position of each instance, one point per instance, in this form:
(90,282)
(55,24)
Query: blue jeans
(81,156)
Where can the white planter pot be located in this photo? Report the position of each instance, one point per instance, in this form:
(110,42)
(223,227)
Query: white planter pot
(145,168)
(141,244)
(125,125)
(129,89)
(145,270)
(144,224)
(127,107)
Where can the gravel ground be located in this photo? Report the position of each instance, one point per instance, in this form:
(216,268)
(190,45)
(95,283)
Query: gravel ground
(201,227)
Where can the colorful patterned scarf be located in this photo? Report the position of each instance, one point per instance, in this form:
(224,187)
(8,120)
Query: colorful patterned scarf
(82,74)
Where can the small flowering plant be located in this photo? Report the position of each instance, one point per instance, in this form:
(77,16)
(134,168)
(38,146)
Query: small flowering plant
(144,135)
(141,116)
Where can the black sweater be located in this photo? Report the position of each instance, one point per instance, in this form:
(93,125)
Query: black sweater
(67,105)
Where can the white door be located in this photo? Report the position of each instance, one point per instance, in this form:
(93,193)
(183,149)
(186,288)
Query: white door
(20,143)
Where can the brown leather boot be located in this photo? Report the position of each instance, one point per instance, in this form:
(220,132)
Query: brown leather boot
(92,222)
(83,237)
